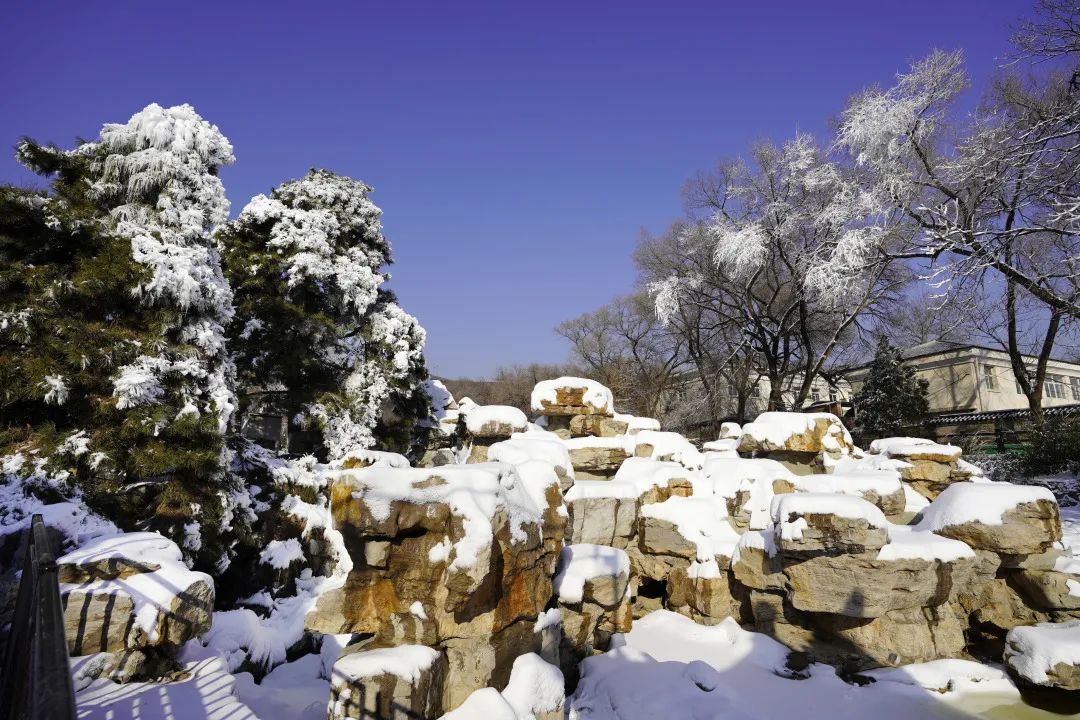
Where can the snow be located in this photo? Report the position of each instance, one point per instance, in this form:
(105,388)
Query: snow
(670,446)
(206,692)
(538,477)
(153,593)
(280,554)
(1034,650)
(984,503)
(914,501)
(403,661)
(486,419)
(417,610)
(535,686)
(548,618)
(788,511)
(939,675)
(701,520)
(913,448)
(644,474)
(56,390)
(881,482)
(487,703)
(522,447)
(764,540)
(909,543)
(626,442)
(728,476)
(593,489)
(142,547)
(292,691)
(634,423)
(473,492)
(669,666)
(595,394)
(583,562)
(776,428)
(730,431)
(727,446)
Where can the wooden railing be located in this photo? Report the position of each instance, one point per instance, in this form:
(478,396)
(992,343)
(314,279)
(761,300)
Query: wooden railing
(36,680)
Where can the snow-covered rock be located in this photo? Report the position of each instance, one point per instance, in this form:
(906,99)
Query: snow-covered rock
(1046,654)
(571,396)
(1001,517)
(132,592)
(387,682)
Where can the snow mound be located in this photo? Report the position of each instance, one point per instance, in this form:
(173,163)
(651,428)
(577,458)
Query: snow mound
(909,543)
(580,563)
(635,424)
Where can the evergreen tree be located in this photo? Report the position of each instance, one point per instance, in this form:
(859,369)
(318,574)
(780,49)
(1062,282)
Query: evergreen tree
(892,400)
(116,385)
(313,320)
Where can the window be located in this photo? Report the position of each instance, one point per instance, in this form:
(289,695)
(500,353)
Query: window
(989,377)
(832,394)
(1074,382)
(815,393)
(1054,387)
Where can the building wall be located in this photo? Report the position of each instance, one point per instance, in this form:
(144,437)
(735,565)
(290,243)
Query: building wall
(981,380)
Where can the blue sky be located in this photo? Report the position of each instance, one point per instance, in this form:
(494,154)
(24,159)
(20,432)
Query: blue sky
(517,149)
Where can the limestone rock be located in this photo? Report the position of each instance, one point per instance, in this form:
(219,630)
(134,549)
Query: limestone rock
(601,513)
(451,552)
(597,426)
(1048,589)
(862,586)
(1000,517)
(703,597)
(495,421)
(597,456)
(810,433)
(812,523)
(571,396)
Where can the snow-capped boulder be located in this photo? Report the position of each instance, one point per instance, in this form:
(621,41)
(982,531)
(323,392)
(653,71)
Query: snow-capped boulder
(132,592)
(635,424)
(927,466)
(809,524)
(495,421)
(391,682)
(881,488)
(669,446)
(1046,654)
(730,431)
(597,426)
(602,513)
(426,543)
(806,442)
(1000,517)
(571,396)
(594,457)
(1050,581)
(685,531)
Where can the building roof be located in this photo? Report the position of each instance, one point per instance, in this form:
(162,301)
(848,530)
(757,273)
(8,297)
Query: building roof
(956,418)
(940,347)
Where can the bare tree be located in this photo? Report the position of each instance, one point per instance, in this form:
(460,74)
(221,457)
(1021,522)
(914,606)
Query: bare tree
(625,347)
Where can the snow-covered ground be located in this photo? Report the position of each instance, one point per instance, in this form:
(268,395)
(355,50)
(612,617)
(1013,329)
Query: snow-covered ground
(672,667)
(667,666)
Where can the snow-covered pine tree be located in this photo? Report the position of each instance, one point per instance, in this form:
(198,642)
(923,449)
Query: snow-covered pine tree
(892,401)
(117,388)
(313,322)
